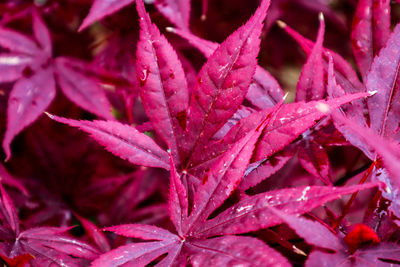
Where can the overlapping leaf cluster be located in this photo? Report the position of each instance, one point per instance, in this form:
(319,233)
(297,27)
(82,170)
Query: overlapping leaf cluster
(211,163)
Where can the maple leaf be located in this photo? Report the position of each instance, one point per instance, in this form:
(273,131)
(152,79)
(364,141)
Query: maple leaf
(35,71)
(311,84)
(216,186)
(196,232)
(46,245)
(226,75)
(123,141)
(163,87)
(178,12)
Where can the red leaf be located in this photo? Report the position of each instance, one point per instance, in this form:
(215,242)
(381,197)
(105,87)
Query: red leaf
(294,119)
(139,254)
(81,89)
(94,234)
(253,212)
(313,232)
(370,31)
(176,11)
(223,81)
(13,65)
(123,141)
(314,158)
(383,78)
(143,231)
(17,42)
(261,170)
(233,251)
(163,87)
(9,180)
(50,245)
(27,101)
(42,33)
(8,213)
(346,76)
(311,83)
(101,9)
(378,147)
(223,177)
(178,199)
(264,90)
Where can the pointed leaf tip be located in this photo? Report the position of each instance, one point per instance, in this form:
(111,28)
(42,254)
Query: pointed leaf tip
(285,97)
(170,29)
(321,16)
(281,24)
(51,116)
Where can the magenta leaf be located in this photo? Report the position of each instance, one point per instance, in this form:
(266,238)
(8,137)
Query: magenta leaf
(264,90)
(370,31)
(314,158)
(313,232)
(12,65)
(17,42)
(176,11)
(353,110)
(233,251)
(81,89)
(366,139)
(95,234)
(261,170)
(8,215)
(42,33)
(223,81)
(123,141)
(294,119)
(253,212)
(237,132)
(178,199)
(49,244)
(101,9)
(139,254)
(381,255)
(223,177)
(241,113)
(143,231)
(7,179)
(345,74)
(229,134)
(27,101)
(163,87)
(383,78)
(311,83)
